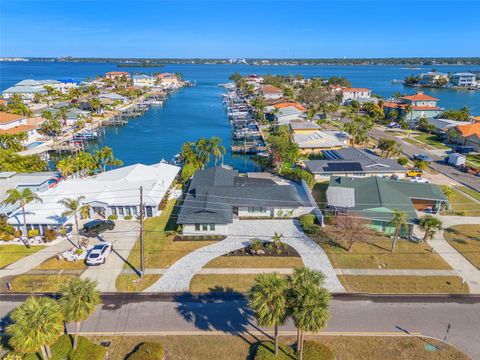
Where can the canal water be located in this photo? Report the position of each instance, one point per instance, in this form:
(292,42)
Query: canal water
(198,111)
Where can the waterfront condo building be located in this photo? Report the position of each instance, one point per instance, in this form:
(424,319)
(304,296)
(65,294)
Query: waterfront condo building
(463,80)
(413,107)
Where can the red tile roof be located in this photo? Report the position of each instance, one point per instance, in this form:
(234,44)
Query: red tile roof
(17,129)
(117,73)
(6,117)
(476,118)
(419,96)
(270,89)
(296,105)
(355,90)
(469,129)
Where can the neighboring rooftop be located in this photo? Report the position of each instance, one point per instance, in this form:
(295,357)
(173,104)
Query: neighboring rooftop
(469,129)
(321,139)
(419,96)
(6,118)
(352,160)
(270,89)
(376,197)
(303,125)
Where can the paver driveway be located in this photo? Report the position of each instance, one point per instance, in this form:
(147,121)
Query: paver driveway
(177,278)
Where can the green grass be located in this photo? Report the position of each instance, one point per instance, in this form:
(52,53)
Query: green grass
(255,262)
(466,240)
(416,143)
(432,140)
(474,159)
(56,264)
(227,282)
(461,205)
(160,249)
(38,283)
(376,254)
(11,253)
(404,284)
(133,283)
(471,192)
(242,347)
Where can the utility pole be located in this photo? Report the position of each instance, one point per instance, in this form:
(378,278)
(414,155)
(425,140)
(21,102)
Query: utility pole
(142,257)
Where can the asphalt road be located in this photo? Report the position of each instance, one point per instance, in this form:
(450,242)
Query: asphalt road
(438,163)
(187,313)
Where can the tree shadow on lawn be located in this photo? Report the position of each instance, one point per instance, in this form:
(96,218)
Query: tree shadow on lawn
(221,309)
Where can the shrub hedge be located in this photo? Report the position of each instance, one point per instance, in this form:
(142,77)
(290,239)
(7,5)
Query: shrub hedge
(112,217)
(148,351)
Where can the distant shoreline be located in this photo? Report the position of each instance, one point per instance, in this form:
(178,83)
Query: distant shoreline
(157,62)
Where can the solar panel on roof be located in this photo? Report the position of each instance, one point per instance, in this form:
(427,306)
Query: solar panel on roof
(343,166)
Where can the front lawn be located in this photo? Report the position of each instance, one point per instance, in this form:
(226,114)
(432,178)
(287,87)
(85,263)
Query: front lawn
(466,240)
(461,204)
(134,283)
(393,284)
(432,140)
(224,282)
(11,253)
(27,283)
(471,192)
(375,254)
(160,249)
(255,262)
(242,347)
(57,264)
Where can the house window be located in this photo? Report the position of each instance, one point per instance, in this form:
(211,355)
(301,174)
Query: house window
(212,227)
(256,209)
(114,210)
(134,210)
(204,227)
(197,227)
(120,210)
(128,210)
(149,211)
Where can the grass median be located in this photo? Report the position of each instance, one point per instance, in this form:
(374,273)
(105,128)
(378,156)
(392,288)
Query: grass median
(11,253)
(231,347)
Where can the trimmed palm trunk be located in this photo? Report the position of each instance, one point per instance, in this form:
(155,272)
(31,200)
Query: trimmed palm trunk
(78,230)
(75,339)
(300,351)
(276,339)
(43,349)
(48,351)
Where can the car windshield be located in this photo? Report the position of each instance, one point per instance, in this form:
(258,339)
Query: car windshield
(94,255)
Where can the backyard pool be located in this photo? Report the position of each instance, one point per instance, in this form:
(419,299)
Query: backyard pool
(34,144)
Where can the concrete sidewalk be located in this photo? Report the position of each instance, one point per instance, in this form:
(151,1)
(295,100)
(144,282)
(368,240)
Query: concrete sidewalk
(32,261)
(123,238)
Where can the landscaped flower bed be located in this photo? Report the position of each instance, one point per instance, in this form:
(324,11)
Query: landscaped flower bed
(265,248)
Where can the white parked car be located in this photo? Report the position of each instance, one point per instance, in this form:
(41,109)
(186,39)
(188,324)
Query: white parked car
(99,253)
(418,179)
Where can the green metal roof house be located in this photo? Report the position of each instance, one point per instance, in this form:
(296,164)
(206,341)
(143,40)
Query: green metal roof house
(375,198)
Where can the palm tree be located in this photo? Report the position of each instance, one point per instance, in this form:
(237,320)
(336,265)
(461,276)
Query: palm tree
(268,299)
(308,302)
(399,220)
(22,197)
(78,302)
(74,207)
(37,324)
(217,149)
(66,166)
(104,157)
(430,225)
(204,151)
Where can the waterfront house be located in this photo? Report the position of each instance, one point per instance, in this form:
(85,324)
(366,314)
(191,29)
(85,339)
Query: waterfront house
(303,127)
(143,81)
(464,79)
(375,198)
(117,75)
(113,97)
(443,125)
(26,92)
(115,192)
(271,92)
(421,106)
(358,94)
(285,104)
(433,78)
(353,162)
(287,114)
(217,197)
(37,182)
(12,124)
(254,80)
(75,114)
(317,141)
(469,134)
(168,81)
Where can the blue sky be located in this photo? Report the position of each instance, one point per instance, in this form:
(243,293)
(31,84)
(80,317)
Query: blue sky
(239,28)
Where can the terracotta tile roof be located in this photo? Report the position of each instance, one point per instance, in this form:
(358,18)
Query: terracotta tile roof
(270,89)
(476,118)
(35,121)
(296,105)
(6,117)
(395,105)
(469,129)
(355,90)
(2,101)
(17,129)
(115,73)
(419,96)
